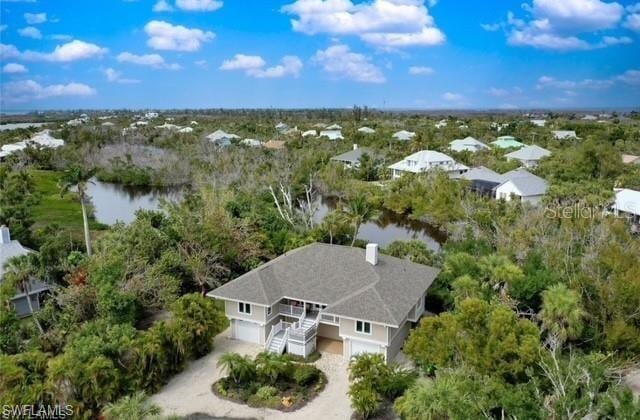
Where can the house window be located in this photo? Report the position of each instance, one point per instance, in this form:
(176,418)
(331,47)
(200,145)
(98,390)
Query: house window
(244,308)
(363,327)
(269,311)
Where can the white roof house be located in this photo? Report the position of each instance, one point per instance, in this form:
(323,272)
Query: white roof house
(521,185)
(221,137)
(366,130)
(539,123)
(194,123)
(185,130)
(168,126)
(404,135)
(529,156)
(251,142)
(107,124)
(332,134)
(282,127)
(627,203)
(467,144)
(42,138)
(589,117)
(310,133)
(564,134)
(440,124)
(334,127)
(426,160)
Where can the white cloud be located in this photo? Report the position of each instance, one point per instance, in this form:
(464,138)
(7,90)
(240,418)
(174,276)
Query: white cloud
(198,5)
(490,27)
(420,70)
(339,61)
(115,76)
(8,51)
(150,60)
(631,77)
(452,97)
(254,66)
(545,82)
(61,37)
(28,90)
(633,21)
(3,27)
(30,32)
(165,36)
(14,68)
(498,92)
(612,40)
(71,51)
(202,64)
(384,23)
(162,6)
(557,25)
(35,18)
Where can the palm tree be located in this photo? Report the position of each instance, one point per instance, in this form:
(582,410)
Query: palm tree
(21,271)
(78,177)
(131,407)
(561,314)
(240,368)
(359,212)
(270,365)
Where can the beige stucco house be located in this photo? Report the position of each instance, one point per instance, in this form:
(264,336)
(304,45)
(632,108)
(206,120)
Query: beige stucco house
(347,299)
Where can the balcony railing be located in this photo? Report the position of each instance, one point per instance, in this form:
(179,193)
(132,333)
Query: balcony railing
(329,319)
(290,310)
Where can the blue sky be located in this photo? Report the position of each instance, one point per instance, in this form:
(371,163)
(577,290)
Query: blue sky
(320,53)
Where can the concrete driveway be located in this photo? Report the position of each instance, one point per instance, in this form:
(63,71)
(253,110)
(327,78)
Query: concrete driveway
(190,391)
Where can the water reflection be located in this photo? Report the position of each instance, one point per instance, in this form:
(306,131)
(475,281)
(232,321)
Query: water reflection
(388,227)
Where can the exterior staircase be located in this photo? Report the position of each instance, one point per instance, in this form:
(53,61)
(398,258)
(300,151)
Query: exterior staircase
(276,343)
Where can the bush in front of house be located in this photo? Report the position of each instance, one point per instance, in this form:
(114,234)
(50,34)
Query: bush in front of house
(269,380)
(375,384)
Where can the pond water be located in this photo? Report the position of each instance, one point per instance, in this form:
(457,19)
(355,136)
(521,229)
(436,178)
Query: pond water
(116,202)
(388,227)
(14,126)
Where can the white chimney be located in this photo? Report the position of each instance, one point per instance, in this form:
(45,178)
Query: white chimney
(371,254)
(5,236)
(355,146)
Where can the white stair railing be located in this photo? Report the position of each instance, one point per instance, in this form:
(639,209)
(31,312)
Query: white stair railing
(274,330)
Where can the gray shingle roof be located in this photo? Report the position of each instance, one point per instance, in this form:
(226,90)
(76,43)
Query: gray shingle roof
(339,277)
(532,152)
(482,173)
(526,182)
(354,155)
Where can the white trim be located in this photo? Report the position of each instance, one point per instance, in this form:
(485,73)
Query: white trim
(360,319)
(253,321)
(212,295)
(358,338)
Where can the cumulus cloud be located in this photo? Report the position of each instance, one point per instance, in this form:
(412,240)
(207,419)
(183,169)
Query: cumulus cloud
(498,92)
(71,51)
(198,5)
(61,37)
(162,6)
(254,66)
(8,51)
(149,60)
(420,70)
(631,77)
(452,97)
(490,27)
(383,23)
(632,20)
(35,18)
(558,25)
(165,36)
(14,68)
(115,76)
(339,61)
(30,32)
(545,82)
(28,90)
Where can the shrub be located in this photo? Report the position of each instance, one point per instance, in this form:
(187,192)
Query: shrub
(305,374)
(364,399)
(266,392)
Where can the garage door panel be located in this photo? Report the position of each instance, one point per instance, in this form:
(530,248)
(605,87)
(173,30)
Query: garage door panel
(247,331)
(359,347)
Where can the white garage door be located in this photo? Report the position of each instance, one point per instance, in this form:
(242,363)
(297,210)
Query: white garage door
(358,347)
(247,331)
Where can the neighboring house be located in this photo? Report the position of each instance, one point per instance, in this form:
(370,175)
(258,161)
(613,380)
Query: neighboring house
(151,115)
(506,142)
(332,134)
(186,130)
(366,130)
(482,180)
(334,127)
(403,135)
(194,123)
(40,139)
(323,295)
(168,126)
(251,142)
(10,249)
(539,123)
(351,159)
(627,204)
(440,124)
(282,127)
(529,156)
(521,185)
(589,118)
(107,124)
(630,159)
(426,160)
(222,138)
(274,144)
(564,134)
(310,133)
(467,144)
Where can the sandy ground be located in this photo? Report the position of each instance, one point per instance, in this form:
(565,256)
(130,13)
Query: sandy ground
(633,380)
(190,391)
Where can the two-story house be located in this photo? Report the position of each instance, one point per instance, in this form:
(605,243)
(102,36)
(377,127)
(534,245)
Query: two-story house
(426,160)
(328,296)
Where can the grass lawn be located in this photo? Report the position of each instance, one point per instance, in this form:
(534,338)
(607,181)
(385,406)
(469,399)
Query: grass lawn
(53,208)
